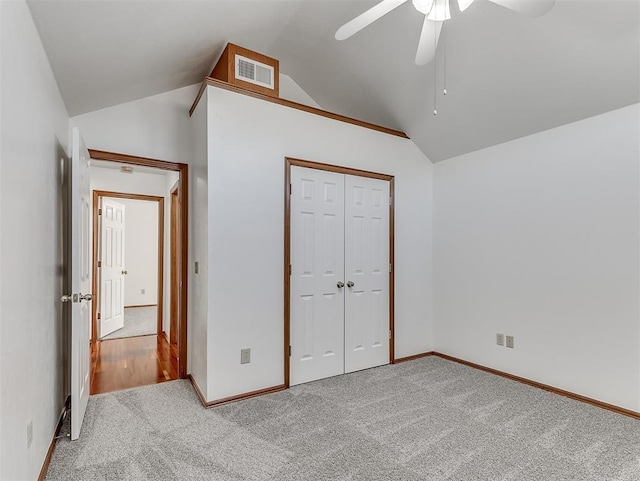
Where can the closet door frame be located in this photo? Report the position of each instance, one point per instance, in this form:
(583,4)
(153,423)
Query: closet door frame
(289,162)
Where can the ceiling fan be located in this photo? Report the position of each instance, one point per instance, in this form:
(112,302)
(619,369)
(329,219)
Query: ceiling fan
(435,12)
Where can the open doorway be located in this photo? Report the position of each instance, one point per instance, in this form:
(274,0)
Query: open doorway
(128,239)
(150,281)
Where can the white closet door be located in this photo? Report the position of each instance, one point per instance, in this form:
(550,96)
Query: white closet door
(367,267)
(112,270)
(317,260)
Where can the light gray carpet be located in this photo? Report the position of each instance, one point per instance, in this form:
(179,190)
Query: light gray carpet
(138,321)
(428,419)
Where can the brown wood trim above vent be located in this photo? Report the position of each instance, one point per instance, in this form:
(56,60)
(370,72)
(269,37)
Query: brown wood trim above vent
(294,105)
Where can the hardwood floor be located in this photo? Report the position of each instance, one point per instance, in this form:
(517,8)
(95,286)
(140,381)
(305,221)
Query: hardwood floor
(131,362)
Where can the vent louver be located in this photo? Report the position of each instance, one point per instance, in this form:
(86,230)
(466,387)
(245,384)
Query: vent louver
(246,69)
(254,72)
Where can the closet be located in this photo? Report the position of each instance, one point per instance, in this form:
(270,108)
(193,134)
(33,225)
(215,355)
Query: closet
(340,268)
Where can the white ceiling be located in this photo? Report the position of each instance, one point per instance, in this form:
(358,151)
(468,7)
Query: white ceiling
(508,75)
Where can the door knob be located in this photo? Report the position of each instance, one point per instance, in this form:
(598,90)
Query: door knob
(340,284)
(124,273)
(350,284)
(75,297)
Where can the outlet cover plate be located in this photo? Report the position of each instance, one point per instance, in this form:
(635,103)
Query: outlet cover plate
(510,342)
(500,339)
(245,356)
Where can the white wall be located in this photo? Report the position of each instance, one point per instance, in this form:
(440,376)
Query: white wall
(290,90)
(199,350)
(157,127)
(33,329)
(538,238)
(146,183)
(248,141)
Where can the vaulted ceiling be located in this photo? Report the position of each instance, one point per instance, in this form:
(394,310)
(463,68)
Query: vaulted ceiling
(508,75)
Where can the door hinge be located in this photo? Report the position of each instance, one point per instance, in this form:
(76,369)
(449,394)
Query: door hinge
(289,351)
(390,200)
(390,336)
(98,316)
(389,267)
(99,211)
(289,269)
(99,263)
(290,189)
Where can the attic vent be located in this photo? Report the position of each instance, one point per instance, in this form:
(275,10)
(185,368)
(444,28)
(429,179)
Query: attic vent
(254,72)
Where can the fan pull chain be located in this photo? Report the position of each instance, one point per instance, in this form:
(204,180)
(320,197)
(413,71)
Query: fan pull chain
(444,68)
(435,69)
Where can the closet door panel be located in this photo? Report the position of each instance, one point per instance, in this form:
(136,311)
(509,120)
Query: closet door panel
(317,267)
(367,273)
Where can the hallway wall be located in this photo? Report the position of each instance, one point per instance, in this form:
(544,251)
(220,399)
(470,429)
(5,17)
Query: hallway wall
(33,329)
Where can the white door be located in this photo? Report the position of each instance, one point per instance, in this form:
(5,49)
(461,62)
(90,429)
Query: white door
(366,332)
(112,269)
(80,282)
(339,289)
(317,271)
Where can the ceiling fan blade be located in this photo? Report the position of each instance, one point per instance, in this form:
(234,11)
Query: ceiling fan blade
(428,41)
(533,8)
(367,18)
(464,4)
(440,11)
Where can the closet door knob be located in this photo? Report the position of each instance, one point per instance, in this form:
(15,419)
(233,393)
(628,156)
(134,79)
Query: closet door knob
(350,284)
(340,284)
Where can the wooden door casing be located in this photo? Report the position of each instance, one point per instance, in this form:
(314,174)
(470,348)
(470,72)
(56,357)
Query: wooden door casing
(386,202)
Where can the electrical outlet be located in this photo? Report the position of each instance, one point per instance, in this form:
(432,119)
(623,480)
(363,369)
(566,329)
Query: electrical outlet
(245,356)
(29,433)
(510,342)
(143,291)
(500,339)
